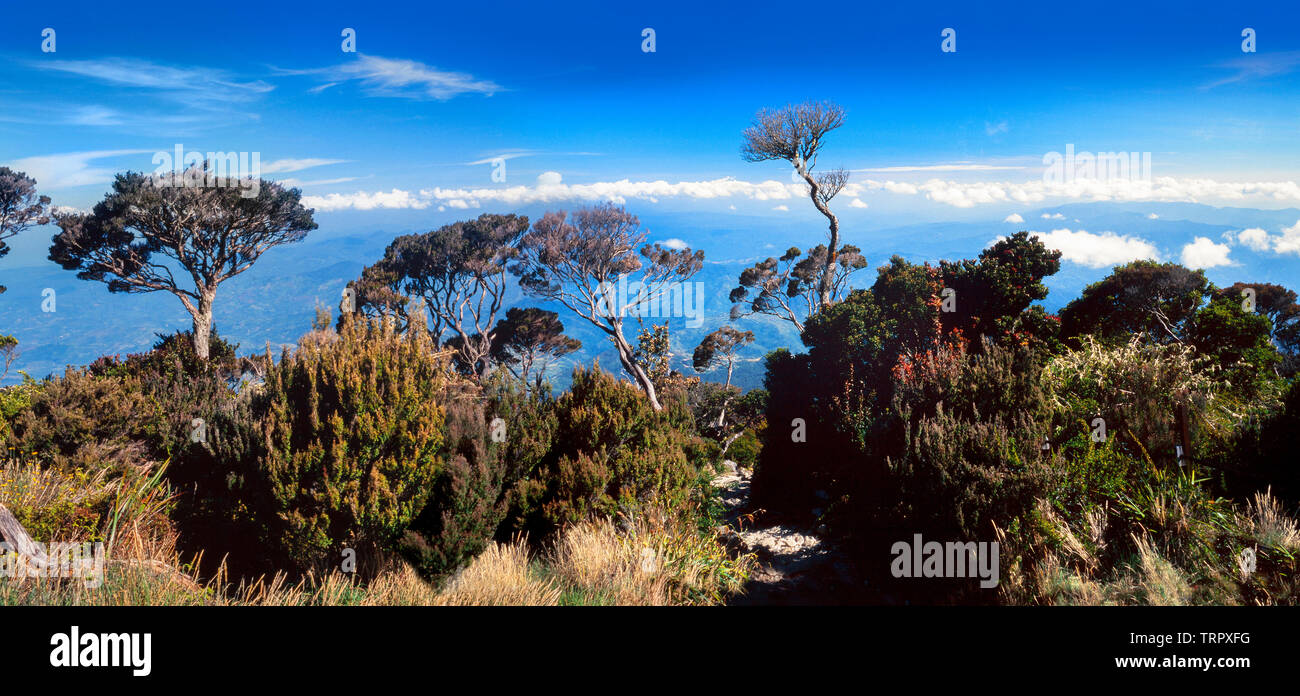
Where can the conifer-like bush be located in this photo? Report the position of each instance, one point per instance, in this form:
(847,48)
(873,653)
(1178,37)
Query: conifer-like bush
(469,499)
(351,432)
(614,452)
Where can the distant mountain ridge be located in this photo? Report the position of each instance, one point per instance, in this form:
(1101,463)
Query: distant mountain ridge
(274,302)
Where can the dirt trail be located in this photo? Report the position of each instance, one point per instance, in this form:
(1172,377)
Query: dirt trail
(795,565)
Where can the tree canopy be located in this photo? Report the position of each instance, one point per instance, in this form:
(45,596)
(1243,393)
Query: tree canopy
(581,261)
(149,230)
(458,270)
(1146,297)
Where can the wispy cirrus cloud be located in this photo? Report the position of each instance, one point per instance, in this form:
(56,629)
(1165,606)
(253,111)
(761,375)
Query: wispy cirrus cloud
(504,155)
(1257,65)
(318,182)
(199,86)
(513,154)
(296,165)
(399,77)
(992,129)
(97,115)
(70,169)
(952,167)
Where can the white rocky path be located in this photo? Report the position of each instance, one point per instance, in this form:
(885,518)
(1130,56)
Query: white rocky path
(795,565)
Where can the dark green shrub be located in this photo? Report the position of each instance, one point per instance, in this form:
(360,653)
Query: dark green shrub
(172,353)
(613,452)
(1261,453)
(469,498)
(84,422)
(972,434)
(1236,340)
(744,450)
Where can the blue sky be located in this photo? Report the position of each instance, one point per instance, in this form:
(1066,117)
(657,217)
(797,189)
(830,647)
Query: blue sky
(946,150)
(564,93)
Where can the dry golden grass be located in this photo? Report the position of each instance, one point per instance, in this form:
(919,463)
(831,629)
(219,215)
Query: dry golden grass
(500,576)
(643,562)
(598,565)
(1270,525)
(654,559)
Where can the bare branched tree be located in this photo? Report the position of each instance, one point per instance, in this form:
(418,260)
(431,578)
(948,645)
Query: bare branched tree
(796,134)
(147,231)
(579,260)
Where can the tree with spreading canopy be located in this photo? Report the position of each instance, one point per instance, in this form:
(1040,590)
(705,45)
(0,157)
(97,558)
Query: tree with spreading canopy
(795,134)
(579,260)
(1142,297)
(721,347)
(1238,341)
(148,230)
(20,206)
(530,338)
(1279,305)
(458,270)
(995,293)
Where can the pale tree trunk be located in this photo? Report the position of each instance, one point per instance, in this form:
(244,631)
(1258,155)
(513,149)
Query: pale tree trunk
(722,415)
(824,290)
(625,356)
(203,323)
(727,445)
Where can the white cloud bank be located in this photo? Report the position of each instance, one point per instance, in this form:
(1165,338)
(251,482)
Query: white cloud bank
(1013,218)
(551,189)
(1256,239)
(1098,250)
(1204,253)
(967,195)
(961,195)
